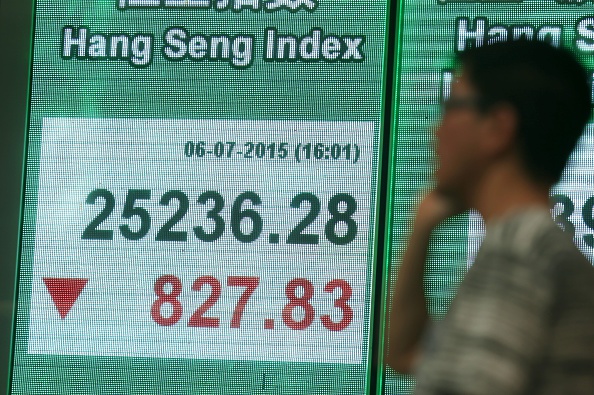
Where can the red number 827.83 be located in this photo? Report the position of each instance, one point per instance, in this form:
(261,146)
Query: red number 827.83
(295,299)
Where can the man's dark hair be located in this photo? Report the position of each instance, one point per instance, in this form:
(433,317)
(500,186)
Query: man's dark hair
(549,90)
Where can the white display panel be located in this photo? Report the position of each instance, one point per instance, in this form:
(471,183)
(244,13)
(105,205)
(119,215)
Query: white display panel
(83,161)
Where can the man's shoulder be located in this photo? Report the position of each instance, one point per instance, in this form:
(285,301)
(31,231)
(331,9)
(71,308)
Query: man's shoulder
(525,306)
(529,253)
(533,238)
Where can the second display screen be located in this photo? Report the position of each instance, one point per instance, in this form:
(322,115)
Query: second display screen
(430,33)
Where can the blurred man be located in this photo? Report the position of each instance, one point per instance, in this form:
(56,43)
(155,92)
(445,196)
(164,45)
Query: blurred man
(522,321)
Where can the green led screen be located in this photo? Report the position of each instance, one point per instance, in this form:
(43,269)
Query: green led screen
(200,197)
(202,187)
(430,32)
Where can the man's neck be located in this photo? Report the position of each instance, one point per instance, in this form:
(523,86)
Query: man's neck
(504,190)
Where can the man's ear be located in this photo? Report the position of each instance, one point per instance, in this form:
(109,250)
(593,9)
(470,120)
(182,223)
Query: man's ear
(502,128)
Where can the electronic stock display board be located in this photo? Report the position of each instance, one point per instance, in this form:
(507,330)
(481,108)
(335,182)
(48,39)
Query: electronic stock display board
(430,32)
(200,197)
(202,178)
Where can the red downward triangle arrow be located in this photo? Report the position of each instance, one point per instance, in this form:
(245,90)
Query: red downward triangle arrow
(64,292)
